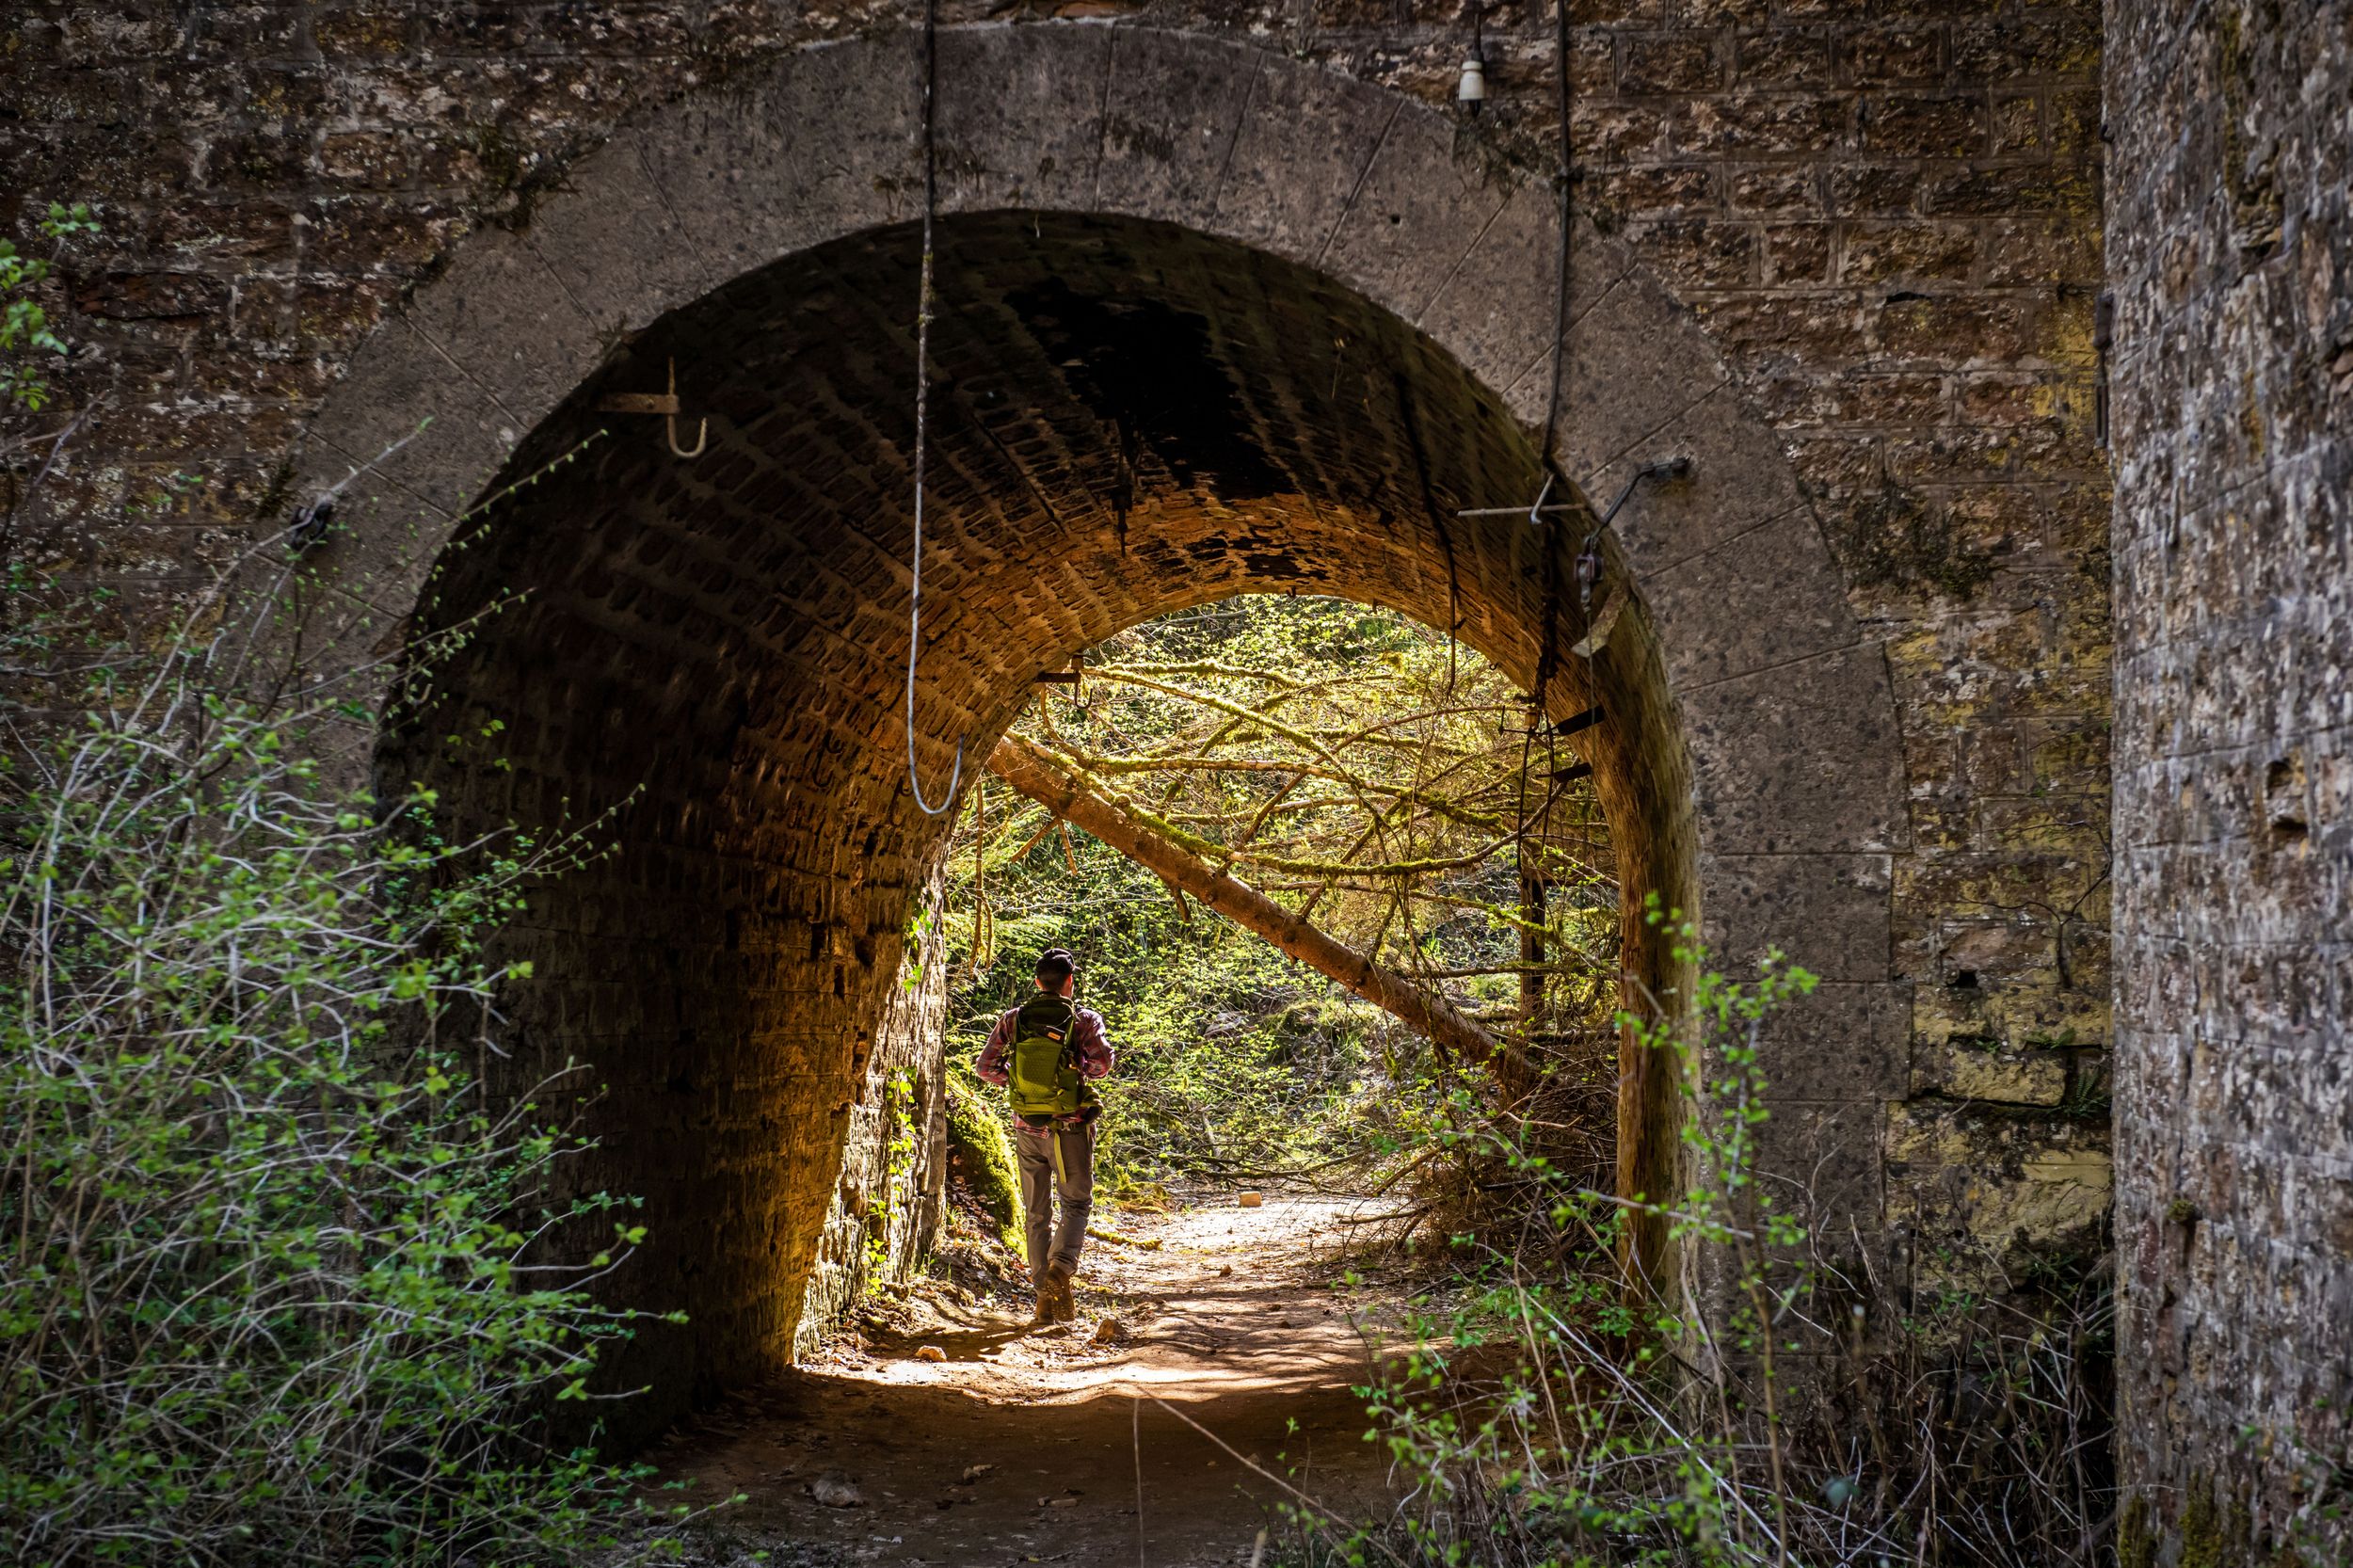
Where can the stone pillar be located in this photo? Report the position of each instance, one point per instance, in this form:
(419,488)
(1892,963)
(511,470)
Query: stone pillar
(2230,261)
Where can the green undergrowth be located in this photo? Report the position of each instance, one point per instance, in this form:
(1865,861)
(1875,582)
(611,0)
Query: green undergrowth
(1776,1406)
(278,1285)
(280,1280)
(1233,1059)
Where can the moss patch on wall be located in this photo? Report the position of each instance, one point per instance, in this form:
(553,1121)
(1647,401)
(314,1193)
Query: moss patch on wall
(1895,540)
(977,1147)
(2135,1543)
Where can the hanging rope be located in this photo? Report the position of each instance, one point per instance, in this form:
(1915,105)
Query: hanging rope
(923,404)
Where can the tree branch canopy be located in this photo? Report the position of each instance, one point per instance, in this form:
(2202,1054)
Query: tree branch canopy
(1028,769)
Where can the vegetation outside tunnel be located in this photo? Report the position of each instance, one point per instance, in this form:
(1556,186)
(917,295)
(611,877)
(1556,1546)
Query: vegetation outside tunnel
(1356,766)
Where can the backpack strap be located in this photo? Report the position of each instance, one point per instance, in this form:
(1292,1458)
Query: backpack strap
(1052,1018)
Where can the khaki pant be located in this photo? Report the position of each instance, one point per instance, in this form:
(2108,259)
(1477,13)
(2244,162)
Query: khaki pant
(1060,1161)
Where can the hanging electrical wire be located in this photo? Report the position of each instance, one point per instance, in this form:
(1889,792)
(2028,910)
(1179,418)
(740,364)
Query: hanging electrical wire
(1561,180)
(923,403)
(1539,700)
(1536,513)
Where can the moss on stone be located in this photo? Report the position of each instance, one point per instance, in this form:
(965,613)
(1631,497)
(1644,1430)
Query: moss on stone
(2135,1541)
(2207,1540)
(977,1142)
(1893,540)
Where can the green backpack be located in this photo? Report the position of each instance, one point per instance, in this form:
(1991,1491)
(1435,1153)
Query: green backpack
(1042,1067)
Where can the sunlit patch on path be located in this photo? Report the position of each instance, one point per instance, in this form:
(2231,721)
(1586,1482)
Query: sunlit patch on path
(1240,1318)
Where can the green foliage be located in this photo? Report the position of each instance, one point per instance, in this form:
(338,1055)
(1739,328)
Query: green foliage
(1539,1413)
(1716,1044)
(276,1283)
(24,321)
(1557,1413)
(1306,732)
(911,970)
(898,1160)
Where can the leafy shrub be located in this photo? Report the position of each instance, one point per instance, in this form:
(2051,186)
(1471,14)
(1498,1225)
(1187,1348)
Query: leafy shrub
(273,1284)
(24,321)
(1550,1416)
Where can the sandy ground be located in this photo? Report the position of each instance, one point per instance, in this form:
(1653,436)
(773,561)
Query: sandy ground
(1237,1320)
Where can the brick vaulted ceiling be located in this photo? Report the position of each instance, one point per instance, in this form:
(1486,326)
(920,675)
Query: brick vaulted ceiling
(1126,418)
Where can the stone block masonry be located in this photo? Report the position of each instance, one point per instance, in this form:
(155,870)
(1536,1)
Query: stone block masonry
(2231,262)
(1884,218)
(891,1195)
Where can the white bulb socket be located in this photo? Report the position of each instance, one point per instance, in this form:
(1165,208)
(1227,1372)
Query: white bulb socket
(1473,87)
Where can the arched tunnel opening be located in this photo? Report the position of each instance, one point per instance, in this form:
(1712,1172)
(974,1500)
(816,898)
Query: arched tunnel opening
(1126,419)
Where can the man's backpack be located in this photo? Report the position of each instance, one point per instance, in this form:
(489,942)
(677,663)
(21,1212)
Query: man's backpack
(1042,1068)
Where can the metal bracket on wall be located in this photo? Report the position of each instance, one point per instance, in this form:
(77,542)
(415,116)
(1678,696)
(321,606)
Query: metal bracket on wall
(1073,678)
(311,523)
(1576,724)
(1520,511)
(2102,338)
(664,403)
(1597,629)
(1665,468)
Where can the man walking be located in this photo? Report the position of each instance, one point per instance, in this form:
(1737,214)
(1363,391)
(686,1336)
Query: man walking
(1045,1054)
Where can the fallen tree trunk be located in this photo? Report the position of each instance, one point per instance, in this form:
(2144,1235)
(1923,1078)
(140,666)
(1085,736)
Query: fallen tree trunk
(1030,770)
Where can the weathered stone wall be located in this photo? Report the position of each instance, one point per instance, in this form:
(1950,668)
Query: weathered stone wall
(1888,216)
(1885,216)
(892,1191)
(2232,260)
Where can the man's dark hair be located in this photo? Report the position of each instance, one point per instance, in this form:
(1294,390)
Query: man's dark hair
(1055,964)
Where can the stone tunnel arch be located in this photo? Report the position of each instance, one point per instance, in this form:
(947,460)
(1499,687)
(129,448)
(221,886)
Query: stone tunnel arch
(1352,317)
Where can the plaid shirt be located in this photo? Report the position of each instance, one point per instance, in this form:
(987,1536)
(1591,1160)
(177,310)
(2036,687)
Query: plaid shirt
(1086,1035)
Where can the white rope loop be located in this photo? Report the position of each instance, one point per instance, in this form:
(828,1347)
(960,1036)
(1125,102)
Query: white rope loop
(922,402)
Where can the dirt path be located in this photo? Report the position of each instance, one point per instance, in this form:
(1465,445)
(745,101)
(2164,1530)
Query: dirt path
(1234,1319)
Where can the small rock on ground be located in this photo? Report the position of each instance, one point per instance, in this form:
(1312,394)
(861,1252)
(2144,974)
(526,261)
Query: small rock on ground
(835,1490)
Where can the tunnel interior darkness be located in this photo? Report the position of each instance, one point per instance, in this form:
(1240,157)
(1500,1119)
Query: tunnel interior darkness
(1126,419)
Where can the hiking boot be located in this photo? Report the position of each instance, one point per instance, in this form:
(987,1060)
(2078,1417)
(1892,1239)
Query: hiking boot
(1043,1315)
(1057,1294)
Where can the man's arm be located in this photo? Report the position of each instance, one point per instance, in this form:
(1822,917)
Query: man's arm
(1095,1047)
(991,1066)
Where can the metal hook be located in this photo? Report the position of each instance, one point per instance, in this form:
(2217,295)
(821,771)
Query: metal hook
(1536,513)
(664,403)
(669,423)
